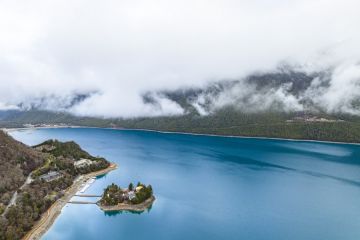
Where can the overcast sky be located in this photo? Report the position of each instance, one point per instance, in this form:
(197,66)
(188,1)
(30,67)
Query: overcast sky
(119,49)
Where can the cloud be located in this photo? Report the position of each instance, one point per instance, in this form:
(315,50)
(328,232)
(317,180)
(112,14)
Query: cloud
(251,96)
(335,90)
(343,93)
(5,107)
(114,51)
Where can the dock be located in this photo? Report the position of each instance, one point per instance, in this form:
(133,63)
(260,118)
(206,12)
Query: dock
(81,202)
(87,195)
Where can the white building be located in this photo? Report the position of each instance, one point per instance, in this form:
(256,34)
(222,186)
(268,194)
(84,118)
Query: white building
(131,195)
(83,163)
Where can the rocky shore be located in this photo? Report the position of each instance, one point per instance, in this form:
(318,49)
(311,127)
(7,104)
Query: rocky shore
(141,207)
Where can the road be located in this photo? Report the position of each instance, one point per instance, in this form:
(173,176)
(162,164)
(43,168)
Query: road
(14,196)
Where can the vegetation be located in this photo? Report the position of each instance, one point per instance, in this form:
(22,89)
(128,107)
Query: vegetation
(143,194)
(17,162)
(62,156)
(234,119)
(225,121)
(64,149)
(113,194)
(228,121)
(33,201)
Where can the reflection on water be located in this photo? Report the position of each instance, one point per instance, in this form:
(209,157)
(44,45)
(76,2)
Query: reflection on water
(114,213)
(100,176)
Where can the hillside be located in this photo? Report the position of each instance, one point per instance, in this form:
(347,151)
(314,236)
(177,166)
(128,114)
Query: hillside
(16,162)
(32,179)
(257,111)
(226,121)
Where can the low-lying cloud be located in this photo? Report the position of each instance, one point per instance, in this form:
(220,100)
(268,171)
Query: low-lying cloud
(111,53)
(333,91)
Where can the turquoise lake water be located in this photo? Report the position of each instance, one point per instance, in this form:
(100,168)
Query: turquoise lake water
(216,188)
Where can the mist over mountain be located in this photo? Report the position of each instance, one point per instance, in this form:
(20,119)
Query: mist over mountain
(53,102)
(248,68)
(282,90)
(131,78)
(286,103)
(126,59)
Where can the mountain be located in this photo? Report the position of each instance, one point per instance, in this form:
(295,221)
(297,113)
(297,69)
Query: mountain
(260,105)
(32,179)
(16,162)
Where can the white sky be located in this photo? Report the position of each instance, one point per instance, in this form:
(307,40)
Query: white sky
(121,48)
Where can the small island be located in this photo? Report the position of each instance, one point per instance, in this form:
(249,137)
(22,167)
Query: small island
(138,199)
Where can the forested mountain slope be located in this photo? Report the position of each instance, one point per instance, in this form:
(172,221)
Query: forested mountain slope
(279,104)
(16,162)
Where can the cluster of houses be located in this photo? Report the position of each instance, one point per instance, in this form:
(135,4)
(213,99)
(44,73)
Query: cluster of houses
(130,194)
(53,175)
(44,125)
(313,119)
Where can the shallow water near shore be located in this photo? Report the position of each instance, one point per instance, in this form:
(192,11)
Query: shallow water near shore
(216,187)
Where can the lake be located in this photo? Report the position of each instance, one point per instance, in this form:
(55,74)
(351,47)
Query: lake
(216,187)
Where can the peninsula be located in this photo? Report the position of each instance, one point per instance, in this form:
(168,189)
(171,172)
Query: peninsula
(36,182)
(138,199)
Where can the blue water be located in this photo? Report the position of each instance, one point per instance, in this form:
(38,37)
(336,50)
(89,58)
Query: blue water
(217,188)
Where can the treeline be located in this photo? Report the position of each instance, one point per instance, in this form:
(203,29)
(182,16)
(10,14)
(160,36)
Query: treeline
(143,194)
(265,124)
(224,121)
(69,149)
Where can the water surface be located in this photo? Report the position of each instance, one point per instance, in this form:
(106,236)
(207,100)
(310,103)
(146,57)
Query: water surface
(216,187)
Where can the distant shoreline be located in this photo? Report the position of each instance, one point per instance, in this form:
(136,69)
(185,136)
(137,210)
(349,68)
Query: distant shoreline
(184,133)
(49,217)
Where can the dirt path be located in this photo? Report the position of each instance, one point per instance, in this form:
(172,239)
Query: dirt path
(14,196)
(48,218)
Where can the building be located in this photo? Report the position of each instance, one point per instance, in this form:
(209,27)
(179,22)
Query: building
(50,176)
(82,163)
(131,195)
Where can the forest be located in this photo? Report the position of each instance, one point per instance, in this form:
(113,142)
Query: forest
(18,163)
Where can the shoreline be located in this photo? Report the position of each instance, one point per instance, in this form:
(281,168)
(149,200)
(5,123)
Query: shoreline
(48,218)
(141,207)
(229,136)
(7,130)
